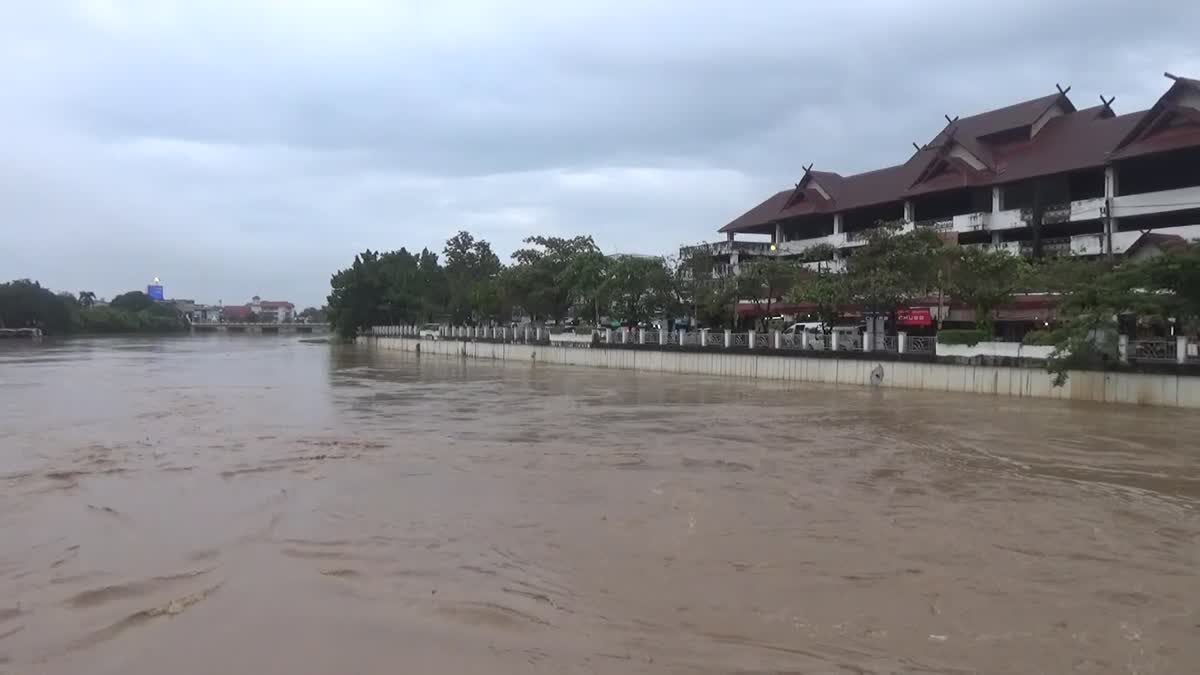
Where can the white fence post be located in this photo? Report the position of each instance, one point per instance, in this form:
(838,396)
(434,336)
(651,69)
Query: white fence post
(728,338)
(833,341)
(608,336)
(901,342)
(1181,343)
(750,335)
(777,339)
(868,341)
(803,339)
(1123,348)
(703,337)
(641,337)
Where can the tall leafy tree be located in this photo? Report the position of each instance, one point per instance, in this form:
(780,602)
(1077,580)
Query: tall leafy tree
(829,291)
(470,267)
(765,282)
(638,288)
(983,280)
(893,268)
(548,279)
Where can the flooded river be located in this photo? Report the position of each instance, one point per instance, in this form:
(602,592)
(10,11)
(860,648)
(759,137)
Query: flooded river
(261,505)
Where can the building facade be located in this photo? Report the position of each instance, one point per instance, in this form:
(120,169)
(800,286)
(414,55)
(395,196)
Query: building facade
(1037,178)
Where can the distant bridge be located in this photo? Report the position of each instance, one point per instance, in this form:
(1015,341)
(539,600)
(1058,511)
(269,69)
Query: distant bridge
(262,328)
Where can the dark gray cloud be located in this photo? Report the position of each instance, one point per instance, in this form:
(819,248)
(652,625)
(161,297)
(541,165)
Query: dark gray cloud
(235,149)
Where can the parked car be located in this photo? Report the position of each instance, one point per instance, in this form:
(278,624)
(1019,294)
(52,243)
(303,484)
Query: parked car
(430,331)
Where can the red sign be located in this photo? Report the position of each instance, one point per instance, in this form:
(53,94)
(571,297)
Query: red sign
(919,316)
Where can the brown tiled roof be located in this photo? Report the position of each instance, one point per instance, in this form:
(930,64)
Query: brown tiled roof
(1010,117)
(1074,140)
(760,215)
(1164,242)
(1067,143)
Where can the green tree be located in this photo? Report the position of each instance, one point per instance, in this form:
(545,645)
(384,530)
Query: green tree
(313,315)
(702,291)
(1171,283)
(471,267)
(550,276)
(87,299)
(25,303)
(132,301)
(983,280)
(1091,296)
(765,281)
(893,268)
(638,288)
(829,291)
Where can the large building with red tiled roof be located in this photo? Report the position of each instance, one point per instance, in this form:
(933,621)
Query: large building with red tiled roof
(265,311)
(1040,177)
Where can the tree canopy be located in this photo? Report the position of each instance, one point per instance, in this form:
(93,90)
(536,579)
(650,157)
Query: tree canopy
(25,303)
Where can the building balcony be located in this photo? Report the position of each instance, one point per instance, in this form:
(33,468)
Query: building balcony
(1057,247)
(723,248)
(936,224)
(825,265)
(796,246)
(1009,219)
(1162,201)
(971,222)
(856,238)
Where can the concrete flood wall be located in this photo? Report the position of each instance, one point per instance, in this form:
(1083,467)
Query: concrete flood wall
(1112,387)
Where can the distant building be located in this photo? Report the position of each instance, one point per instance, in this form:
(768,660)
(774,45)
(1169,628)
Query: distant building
(273,311)
(263,311)
(205,313)
(235,313)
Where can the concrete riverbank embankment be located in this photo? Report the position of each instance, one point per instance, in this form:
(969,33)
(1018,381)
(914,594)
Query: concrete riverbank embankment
(1169,390)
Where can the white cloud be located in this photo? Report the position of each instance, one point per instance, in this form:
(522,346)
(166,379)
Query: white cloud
(237,148)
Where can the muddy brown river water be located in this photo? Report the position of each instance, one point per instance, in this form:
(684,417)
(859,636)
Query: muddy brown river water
(262,505)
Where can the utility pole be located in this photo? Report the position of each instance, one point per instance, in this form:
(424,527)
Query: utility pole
(1108,230)
(1035,220)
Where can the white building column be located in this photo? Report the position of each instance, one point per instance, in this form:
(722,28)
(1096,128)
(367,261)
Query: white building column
(837,223)
(1111,190)
(908,211)
(778,234)
(997,199)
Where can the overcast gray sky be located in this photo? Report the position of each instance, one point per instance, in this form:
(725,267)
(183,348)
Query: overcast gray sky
(236,148)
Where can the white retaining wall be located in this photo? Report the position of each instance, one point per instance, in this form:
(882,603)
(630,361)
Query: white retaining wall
(1012,350)
(1137,388)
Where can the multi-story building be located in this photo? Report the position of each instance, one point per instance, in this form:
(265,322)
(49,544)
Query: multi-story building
(1040,177)
(273,311)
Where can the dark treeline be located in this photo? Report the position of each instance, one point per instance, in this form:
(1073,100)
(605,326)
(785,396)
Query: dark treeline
(27,304)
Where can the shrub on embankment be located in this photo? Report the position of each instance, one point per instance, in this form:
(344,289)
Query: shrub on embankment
(969,337)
